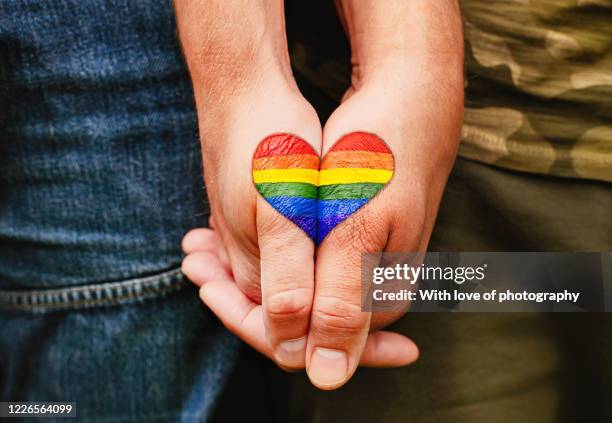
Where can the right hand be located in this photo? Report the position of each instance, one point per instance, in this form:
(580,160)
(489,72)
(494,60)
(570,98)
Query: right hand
(270,259)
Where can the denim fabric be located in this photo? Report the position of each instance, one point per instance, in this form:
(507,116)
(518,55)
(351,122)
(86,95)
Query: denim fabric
(100,177)
(99,157)
(164,358)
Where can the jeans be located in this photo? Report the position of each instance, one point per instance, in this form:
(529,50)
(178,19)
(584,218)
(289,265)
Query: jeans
(100,177)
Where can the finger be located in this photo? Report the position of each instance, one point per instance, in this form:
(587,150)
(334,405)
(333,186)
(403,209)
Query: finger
(205,240)
(203,266)
(286,240)
(287,283)
(240,315)
(338,327)
(244,318)
(388,349)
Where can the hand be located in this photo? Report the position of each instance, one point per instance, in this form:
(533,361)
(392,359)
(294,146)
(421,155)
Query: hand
(245,92)
(408,90)
(206,267)
(399,218)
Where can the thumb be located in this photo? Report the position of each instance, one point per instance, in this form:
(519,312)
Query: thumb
(339,327)
(285,171)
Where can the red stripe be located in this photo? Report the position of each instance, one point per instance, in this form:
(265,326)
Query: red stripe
(281,145)
(361,141)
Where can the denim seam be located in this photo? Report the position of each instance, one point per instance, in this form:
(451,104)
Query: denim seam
(85,296)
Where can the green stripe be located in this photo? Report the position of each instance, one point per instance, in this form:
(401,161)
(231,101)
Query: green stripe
(287,189)
(349,191)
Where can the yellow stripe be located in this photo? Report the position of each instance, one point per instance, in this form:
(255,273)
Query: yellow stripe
(323,177)
(309,176)
(354,175)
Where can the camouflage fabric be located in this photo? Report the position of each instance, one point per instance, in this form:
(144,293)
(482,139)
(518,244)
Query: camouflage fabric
(538,83)
(492,367)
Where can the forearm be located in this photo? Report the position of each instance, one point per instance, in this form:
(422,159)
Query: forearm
(423,34)
(408,57)
(231,44)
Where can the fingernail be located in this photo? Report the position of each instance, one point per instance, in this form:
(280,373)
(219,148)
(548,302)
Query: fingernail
(328,367)
(291,353)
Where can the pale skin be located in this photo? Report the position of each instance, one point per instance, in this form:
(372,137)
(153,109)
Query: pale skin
(258,272)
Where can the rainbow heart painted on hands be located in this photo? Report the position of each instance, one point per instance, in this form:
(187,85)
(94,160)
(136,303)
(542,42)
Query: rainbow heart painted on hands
(318,196)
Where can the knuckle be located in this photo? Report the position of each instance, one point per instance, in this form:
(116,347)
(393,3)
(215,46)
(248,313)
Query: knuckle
(293,303)
(338,315)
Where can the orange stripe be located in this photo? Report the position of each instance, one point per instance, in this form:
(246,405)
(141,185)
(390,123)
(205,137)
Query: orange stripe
(291,161)
(357,159)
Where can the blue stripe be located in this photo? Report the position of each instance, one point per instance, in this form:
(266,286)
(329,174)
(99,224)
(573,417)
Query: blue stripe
(339,208)
(294,206)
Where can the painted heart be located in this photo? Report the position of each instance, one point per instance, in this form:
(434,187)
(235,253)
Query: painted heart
(286,174)
(318,196)
(356,168)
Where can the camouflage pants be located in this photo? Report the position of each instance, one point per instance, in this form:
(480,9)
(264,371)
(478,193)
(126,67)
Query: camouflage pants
(493,367)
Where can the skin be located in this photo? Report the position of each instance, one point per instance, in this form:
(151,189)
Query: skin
(407,88)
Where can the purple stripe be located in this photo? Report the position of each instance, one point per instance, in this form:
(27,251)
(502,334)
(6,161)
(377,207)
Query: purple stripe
(306,223)
(325,225)
(330,213)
